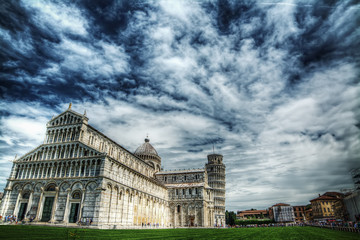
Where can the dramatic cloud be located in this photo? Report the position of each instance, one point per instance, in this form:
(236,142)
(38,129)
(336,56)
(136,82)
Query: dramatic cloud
(273,86)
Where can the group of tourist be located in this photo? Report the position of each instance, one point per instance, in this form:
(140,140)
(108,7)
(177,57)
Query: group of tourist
(9,219)
(85,221)
(150,225)
(12,219)
(269,225)
(337,224)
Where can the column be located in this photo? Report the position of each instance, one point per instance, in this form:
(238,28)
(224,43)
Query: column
(116,203)
(15,169)
(82,203)
(46,135)
(65,151)
(109,212)
(82,152)
(52,220)
(38,171)
(175,215)
(70,170)
(80,163)
(58,152)
(42,171)
(67,206)
(56,170)
(29,204)
(85,169)
(95,168)
(22,171)
(53,136)
(17,204)
(61,168)
(29,171)
(121,206)
(39,208)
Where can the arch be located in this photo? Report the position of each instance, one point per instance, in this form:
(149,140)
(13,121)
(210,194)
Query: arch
(37,187)
(64,185)
(91,185)
(77,185)
(27,186)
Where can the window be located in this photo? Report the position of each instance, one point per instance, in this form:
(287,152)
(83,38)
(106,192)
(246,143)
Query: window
(76,195)
(324,209)
(50,188)
(190,192)
(178,208)
(183,191)
(177,192)
(26,195)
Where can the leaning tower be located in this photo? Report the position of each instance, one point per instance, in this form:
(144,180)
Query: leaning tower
(216,179)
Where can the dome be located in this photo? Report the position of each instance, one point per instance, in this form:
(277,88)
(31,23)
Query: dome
(146,149)
(148,153)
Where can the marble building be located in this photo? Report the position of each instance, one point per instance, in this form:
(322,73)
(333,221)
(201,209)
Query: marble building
(78,174)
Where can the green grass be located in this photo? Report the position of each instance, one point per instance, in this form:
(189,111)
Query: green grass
(44,232)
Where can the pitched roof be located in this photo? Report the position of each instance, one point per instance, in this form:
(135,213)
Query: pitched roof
(252,212)
(281,204)
(185,185)
(334,194)
(324,197)
(181,171)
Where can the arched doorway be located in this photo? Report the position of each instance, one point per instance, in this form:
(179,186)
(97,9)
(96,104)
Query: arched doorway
(50,192)
(23,205)
(75,207)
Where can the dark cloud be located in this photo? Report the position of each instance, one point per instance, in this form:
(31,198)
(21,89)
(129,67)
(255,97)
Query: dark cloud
(272,86)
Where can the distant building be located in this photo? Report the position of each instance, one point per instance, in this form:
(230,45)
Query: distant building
(309,214)
(282,213)
(328,206)
(252,214)
(352,200)
(299,212)
(355,174)
(352,205)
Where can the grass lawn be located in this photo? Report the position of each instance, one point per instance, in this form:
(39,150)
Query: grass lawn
(44,232)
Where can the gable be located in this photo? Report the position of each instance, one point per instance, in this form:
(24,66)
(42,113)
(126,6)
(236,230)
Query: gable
(67,117)
(60,151)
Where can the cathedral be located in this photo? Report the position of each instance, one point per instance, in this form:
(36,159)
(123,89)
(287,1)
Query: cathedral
(80,175)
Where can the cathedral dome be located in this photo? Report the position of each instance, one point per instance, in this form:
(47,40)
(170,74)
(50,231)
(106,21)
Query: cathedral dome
(148,153)
(146,149)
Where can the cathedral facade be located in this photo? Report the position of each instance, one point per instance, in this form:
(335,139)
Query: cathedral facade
(78,174)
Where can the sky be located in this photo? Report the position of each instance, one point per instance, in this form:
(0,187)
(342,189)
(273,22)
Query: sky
(273,86)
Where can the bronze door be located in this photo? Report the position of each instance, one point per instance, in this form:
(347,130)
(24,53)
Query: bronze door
(74,213)
(48,205)
(21,214)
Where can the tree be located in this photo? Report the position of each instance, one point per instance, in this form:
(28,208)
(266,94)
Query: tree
(230,218)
